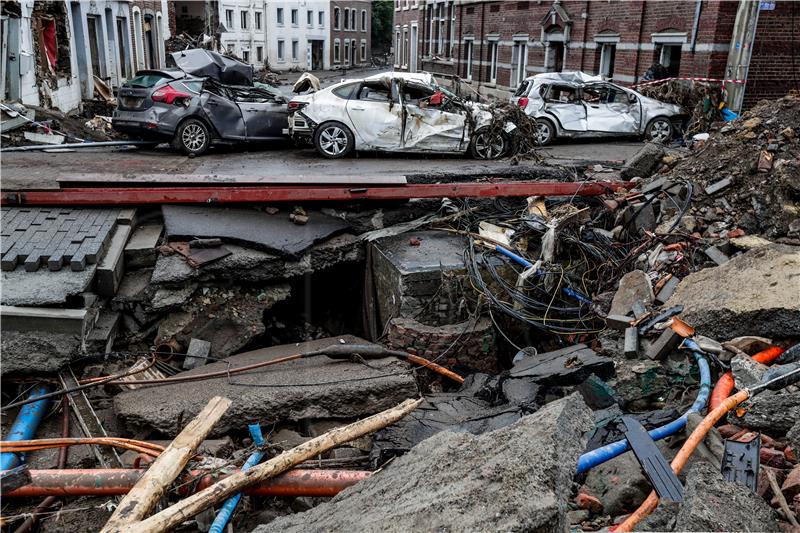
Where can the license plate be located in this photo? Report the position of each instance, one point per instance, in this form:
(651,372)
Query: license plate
(128,101)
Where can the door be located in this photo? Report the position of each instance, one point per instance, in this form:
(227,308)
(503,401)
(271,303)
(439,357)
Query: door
(224,114)
(413,59)
(610,109)
(563,102)
(428,128)
(375,113)
(93,26)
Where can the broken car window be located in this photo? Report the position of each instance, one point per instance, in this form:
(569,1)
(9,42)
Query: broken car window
(522,90)
(147,80)
(374,92)
(562,94)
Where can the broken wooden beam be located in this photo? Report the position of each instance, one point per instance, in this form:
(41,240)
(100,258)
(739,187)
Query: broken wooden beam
(136,505)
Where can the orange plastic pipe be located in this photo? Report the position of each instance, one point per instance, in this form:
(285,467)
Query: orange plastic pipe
(116,481)
(724,386)
(683,455)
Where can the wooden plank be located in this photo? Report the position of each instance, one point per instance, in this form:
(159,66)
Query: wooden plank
(140,500)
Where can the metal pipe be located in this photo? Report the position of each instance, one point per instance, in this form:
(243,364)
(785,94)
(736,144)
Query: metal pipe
(25,425)
(99,144)
(117,481)
(223,194)
(225,513)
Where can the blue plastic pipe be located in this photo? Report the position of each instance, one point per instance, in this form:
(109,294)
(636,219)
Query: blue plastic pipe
(226,511)
(527,264)
(605,453)
(25,425)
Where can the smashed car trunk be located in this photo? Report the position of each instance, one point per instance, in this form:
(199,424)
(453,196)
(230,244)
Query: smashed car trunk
(208,64)
(306,82)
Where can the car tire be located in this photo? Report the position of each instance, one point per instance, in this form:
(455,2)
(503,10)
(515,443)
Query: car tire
(487,147)
(333,140)
(545,132)
(659,130)
(192,137)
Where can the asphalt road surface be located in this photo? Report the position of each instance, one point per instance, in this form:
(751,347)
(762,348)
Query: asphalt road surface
(225,164)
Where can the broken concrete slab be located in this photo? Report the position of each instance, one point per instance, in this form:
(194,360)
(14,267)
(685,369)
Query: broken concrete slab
(317,387)
(111,267)
(168,298)
(517,478)
(644,162)
(710,503)
(752,294)
(772,412)
(43,287)
(568,366)
(746,371)
(196,354)
(40,352)
(250,227)
(634,287)
(245,265)
(141,248)
(73,321)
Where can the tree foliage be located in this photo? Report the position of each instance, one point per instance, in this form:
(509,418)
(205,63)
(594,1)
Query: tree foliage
(382,19)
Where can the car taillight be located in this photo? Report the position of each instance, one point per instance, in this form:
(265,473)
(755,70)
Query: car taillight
(523,102)
(168,95)
(294,106)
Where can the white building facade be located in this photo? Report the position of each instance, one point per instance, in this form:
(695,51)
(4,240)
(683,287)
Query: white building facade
(298,34)
(52,51)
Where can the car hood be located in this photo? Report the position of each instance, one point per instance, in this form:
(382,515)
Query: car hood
(208,64)
(657,106)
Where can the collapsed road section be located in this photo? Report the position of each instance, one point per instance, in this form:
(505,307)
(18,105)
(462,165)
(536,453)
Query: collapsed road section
(465,355)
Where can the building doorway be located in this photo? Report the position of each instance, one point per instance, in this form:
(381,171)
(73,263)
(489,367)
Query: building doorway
(317,48)
(556,56)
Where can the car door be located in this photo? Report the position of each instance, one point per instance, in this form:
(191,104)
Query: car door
(376,115)
(265,116)
(609,109)
(563,102)
(430,124)
(223,113)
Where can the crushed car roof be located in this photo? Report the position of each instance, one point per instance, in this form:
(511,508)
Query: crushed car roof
(569,77)
(209,64)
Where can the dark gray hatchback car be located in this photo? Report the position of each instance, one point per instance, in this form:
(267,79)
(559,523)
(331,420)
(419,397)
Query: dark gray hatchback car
(192,111)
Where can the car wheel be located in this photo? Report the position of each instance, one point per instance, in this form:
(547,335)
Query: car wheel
(486,145)
(192,137)
(659,130)
(545,132)
(333,140)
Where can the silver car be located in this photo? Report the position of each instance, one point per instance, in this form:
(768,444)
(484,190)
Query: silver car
(575,104)
(396,112)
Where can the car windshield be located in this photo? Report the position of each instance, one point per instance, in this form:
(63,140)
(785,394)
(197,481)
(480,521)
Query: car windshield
(522,90)
(147,80)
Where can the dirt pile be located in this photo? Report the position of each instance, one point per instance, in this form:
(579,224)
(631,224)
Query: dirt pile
(747,175)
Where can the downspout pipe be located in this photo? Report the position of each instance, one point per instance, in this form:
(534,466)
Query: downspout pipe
(605,453)
(697,9)
(25,426)
(226,512)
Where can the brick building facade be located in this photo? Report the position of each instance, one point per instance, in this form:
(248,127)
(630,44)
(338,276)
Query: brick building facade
(493,45)
(351,24)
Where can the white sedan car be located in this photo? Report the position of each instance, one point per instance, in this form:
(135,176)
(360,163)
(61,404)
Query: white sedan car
(395,112)
(576,104)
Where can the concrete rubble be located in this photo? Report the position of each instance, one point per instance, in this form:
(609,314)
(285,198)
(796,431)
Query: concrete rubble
(527,326)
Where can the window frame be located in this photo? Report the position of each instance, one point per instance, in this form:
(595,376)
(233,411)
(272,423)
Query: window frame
(310,18)
(229,19)
(281,50)
(294,17)
(279,16)
(321,18)
(258,20)
(346,26)
(494,53)
(337,51)
(469,54)
(363,20)
(337,18)
(243,18)
(260,54)
(363,49)
(295,50)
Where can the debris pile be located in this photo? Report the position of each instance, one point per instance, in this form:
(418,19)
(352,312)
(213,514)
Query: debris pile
(702,99)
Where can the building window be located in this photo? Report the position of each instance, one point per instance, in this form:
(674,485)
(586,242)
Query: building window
(321,19)
(347,51)
(337,58)
(493,62)
(519,63)
(346,18)
(608,53)
(231,48)
(246,56)
(258,20)
(397,48)
(295,47)
(229,19)
(397,5)
(406,50)
(363,51)
(440,17)
(260,54)
(281,50)
(353,20)
(363,20)
(279,16)
(310,17)
(294,17)
(670,57)
(243,19)
(470,49)
(431,30)
(336,12)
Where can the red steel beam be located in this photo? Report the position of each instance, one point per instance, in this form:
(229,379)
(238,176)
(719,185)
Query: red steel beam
(116,481)
(224,194)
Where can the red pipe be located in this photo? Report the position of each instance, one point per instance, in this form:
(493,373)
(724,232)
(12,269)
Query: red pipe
(725,384)
(116,481)
(221,194)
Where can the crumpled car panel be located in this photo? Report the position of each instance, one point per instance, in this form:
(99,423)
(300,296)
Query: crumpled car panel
(434,130)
